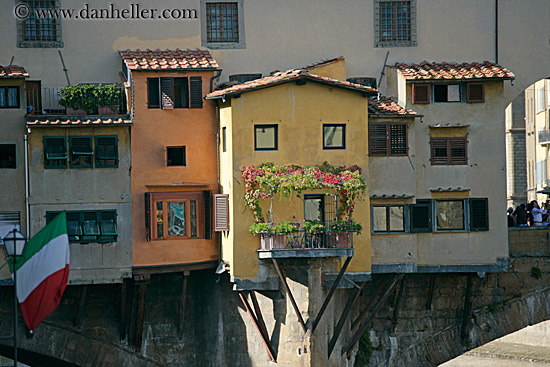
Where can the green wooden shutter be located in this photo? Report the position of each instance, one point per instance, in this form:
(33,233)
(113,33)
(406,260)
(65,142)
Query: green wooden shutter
(421,216)
(479,214)
(207,214)
(106,151)
(195,88)
(55,152)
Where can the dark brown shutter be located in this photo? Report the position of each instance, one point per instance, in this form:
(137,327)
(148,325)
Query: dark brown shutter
(421,216)
(207,214)
(167,93)
(439,151)
(221,212)
(475,93)
(421,93)
(147,216)
(458,151)
(378,139)
(195,88)
(479,214)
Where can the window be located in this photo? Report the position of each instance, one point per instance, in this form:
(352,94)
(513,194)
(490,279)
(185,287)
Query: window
(265,137)
(7,156)
(178,215)
(224,139)
(222,24)
(475,93)
(446,151)
(446,92)
(395,23)
(80,148)
(55,152)
(320,208)
(106,151)
(39,31)
(449,215)
(420,93)
(169,93)
(388,139)
(334,136)
(175,156)
(9,97)
(9,221)
(389,218)
(89,226)
(539,99)
(243,78)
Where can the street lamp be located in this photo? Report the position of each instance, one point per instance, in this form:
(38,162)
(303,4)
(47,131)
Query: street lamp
(14,243)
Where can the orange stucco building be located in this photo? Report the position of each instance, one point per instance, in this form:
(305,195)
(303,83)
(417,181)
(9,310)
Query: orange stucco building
(173,170)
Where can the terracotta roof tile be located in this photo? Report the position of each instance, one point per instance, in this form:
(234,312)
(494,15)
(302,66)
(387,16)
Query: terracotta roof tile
(453,71)
(159,60)
(13,71)
(62,121)
(285,77)
(324,62)
(385,106)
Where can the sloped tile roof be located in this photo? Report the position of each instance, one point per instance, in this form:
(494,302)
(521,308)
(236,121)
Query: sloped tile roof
(453,71)
(385,106)
(324,62)
(64,121)
(159,60)
(285,77)
(13,71)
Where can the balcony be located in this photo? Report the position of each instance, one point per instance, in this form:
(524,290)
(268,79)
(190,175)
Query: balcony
(544,137)
(304,243)
(78,100)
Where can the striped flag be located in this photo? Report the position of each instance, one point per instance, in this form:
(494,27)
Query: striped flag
(42,271)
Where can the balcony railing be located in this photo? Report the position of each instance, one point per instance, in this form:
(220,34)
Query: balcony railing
(305,244)
(89,102)
(544,137)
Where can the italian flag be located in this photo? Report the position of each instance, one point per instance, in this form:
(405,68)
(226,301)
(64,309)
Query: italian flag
(42,271)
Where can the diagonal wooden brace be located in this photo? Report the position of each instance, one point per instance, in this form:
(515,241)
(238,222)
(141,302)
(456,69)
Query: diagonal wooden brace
(259,327)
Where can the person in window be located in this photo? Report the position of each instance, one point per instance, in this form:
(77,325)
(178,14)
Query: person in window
(521,215)
(537,213)
(511,221)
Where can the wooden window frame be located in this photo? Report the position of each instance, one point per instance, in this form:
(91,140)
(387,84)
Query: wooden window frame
(421,93)
(388,140)
(101,140)
(82,237)
(276,137)
(166,89)
(450,144)
(48,160)
(183,148)
(11,152)
(447,85)
(388,229)
(472,99)
(465,215)
(420,215)
(73,154)
(6,99)
(343,146)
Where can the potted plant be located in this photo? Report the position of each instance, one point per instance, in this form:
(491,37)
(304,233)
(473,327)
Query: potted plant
(109,98)
(78,99)
(341,232)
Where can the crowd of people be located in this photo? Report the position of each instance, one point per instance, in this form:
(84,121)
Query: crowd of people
(529,215)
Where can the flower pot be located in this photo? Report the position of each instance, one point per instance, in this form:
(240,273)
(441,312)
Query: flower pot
(107,110)
(72,112)
(343,240)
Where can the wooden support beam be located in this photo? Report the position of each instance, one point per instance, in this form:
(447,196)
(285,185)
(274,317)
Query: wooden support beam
(430,292)
(182,306)
(329,295)
(81,302)
(264,336)
(467,307)
(338,329)
(133,315)
(258,311)
(142,287)
(371,303)
(123,310)
(357,335)
(396,305)
(290,296)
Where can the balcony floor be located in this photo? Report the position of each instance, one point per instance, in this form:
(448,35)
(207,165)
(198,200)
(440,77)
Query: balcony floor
(315,252)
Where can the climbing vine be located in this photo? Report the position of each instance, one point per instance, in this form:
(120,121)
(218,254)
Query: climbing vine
(267,179)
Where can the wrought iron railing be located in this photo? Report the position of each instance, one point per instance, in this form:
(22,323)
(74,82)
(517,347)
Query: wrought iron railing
(88,101)
(303,239)
(544,137)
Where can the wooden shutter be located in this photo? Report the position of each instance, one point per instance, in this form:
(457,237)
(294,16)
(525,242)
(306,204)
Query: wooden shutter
(167,93)
(439,150)
(147,216)
(207,214)
(378,139)
(475,93)
(421,93)
(457,151)
(479,214)
(421,216)
(221,212)
(195,92)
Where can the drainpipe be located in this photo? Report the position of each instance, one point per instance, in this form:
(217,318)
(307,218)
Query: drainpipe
(27,209)
(496,31)
(216,76)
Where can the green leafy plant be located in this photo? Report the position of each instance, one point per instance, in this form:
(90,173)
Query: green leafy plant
(364,354)
(258,228)
(108,95)
(536,272)
(346,226)
(312,226)
(285,228)
(79,97)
